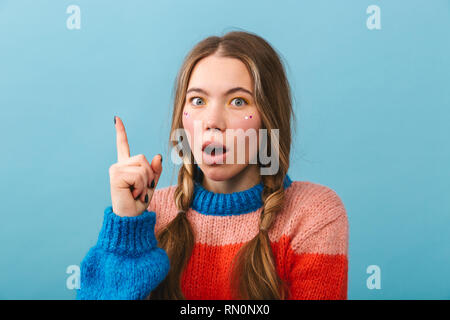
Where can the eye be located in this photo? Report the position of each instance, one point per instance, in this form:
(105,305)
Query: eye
(191,100)
(242,101)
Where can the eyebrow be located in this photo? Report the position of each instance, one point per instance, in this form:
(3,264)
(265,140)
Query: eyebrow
(232,90)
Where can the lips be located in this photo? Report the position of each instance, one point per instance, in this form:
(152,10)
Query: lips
(213,148)
(214,153)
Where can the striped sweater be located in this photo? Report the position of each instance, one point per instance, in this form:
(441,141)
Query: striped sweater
(309,240)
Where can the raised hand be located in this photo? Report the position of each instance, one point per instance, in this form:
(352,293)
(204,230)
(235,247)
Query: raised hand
(132,179)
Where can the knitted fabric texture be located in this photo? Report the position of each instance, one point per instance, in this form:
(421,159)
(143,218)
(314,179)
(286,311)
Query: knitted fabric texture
(309,240)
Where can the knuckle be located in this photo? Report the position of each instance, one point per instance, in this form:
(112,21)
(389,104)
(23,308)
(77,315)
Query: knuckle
(113,169)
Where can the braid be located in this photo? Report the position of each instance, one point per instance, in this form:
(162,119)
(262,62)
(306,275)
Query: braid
(272,199)
(254,276)
(177,239)
(185,188)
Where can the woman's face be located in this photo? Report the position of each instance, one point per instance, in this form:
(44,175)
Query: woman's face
(219,102)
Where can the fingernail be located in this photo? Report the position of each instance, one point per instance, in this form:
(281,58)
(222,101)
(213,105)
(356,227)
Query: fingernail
(114,119)
(153,184)
(146,198)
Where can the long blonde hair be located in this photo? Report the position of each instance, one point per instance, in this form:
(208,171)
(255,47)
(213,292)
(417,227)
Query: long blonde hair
(253,273)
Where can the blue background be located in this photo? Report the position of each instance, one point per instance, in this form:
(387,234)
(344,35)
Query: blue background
(372,108)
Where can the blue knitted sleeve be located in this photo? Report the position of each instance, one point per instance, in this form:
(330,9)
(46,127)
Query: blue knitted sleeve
(126,262)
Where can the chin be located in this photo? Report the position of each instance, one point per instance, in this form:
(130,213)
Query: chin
(220,172)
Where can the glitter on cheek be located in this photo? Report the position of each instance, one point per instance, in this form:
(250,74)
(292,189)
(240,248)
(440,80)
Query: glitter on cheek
(185,113)
(248,117)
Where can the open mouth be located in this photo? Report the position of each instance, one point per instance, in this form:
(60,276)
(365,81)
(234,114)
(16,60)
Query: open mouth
(214,152)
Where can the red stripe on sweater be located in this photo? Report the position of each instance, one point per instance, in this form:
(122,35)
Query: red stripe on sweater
(308,275)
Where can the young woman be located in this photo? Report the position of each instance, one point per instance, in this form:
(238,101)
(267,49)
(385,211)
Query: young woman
(225,231)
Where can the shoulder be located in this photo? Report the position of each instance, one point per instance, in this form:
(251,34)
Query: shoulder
(315,200)
(310,208)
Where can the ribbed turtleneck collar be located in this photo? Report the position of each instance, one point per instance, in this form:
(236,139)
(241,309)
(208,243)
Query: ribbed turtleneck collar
(221,204)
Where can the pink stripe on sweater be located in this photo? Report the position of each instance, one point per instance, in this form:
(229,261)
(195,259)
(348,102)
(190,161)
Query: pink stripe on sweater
(313,217)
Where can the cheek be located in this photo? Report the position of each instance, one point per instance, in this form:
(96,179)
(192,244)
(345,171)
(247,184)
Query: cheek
(247,121)
(190,121)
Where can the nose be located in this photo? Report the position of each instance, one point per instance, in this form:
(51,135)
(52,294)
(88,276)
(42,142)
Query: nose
(215,118)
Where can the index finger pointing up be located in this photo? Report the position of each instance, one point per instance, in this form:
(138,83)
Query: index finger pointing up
(123,150)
